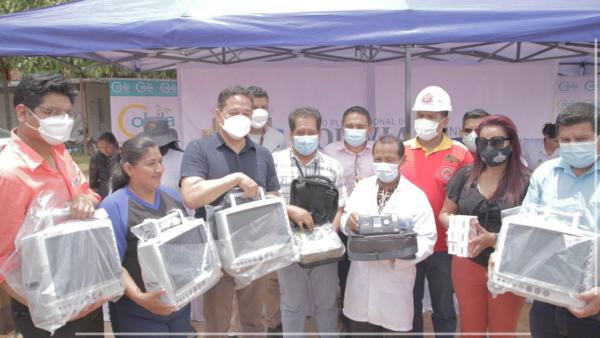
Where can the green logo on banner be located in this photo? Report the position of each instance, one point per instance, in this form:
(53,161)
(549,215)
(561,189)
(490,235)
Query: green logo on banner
(142,88)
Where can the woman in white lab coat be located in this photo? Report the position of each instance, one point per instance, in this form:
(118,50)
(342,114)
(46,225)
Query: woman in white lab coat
(379,294)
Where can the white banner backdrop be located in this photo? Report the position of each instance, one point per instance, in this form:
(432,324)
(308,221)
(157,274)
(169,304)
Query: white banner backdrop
(134,101)
(522,91)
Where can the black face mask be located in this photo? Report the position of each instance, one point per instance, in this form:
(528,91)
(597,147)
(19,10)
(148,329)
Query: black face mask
(494,157)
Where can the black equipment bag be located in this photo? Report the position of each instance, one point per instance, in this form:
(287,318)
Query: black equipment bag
(318,195)
(402,245)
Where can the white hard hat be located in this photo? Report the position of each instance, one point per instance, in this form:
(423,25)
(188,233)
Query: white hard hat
(432,98)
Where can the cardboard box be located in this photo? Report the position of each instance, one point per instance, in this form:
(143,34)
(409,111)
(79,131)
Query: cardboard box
(461,229)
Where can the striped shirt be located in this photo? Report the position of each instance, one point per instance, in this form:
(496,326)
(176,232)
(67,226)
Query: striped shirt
(287,170)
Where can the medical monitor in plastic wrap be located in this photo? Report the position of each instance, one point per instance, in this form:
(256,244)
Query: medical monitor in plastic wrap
(253,236)
(545,260)
(177,254)
(67,267)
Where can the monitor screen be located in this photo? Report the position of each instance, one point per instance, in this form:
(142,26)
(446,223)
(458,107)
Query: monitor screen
(266,228)
(78,260)
(182,256)
(544,255)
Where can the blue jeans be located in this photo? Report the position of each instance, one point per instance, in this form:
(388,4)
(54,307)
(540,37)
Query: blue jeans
(437,270)
(550,321)
(128,317)
(293,283)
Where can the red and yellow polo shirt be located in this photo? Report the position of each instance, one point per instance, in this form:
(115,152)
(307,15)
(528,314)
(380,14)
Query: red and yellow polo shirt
(431,171)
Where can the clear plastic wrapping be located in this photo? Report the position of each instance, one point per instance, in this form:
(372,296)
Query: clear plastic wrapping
(177,254)
(254,237)
(546,253)
(318,246)
(63,266)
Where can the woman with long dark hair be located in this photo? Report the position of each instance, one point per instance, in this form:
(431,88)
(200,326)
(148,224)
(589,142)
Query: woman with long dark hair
(103,162)
(139,195)
(497,180)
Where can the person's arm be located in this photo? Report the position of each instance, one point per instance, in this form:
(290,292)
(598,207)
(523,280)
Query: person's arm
(273,187)
(300,216)
(483,240)
(198,192)
(534,191)
(148,300)
(349,216)
(448,209)
(196,189)
(84,202)
(592,303)
(12,293)
(453,191)
(15,199)
(337,219)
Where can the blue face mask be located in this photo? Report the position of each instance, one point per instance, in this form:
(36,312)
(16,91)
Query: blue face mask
(306,144)
(355,137)
(579,154)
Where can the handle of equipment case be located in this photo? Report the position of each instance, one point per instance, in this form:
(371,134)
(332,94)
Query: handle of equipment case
(237,192)
(151,228)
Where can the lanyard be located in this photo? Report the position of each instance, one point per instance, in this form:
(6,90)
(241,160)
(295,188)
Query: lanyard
(300,169)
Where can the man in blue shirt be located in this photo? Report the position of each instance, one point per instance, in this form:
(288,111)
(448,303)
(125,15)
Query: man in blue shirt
(575,173)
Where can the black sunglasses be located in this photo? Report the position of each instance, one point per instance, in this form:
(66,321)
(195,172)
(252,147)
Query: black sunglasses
(497,142)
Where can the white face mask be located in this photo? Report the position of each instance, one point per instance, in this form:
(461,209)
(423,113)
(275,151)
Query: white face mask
(54,130)
(355,137)
(469,141)
(237,126)
(426,129)
(386,172)
(259,118)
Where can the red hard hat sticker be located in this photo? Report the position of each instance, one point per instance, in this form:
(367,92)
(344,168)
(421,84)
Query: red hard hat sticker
(427,98)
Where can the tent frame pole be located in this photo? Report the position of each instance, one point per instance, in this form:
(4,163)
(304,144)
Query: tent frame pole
(407,92)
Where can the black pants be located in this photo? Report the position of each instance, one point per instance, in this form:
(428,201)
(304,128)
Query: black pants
(365,327)
(549,321)
(93,322)
(437,270)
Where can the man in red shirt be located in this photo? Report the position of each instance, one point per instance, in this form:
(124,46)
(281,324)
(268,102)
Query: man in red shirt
(34,163)
(431,160)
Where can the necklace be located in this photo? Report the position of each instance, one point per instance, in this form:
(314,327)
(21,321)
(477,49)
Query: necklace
(383,195)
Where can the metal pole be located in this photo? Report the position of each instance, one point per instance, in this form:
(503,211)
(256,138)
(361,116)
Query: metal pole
(84,114)
(407,93)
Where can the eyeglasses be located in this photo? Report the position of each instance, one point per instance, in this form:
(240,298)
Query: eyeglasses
(497,142)
(52,112)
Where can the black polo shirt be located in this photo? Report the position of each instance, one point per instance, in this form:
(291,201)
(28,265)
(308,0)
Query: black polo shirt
(210,158)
